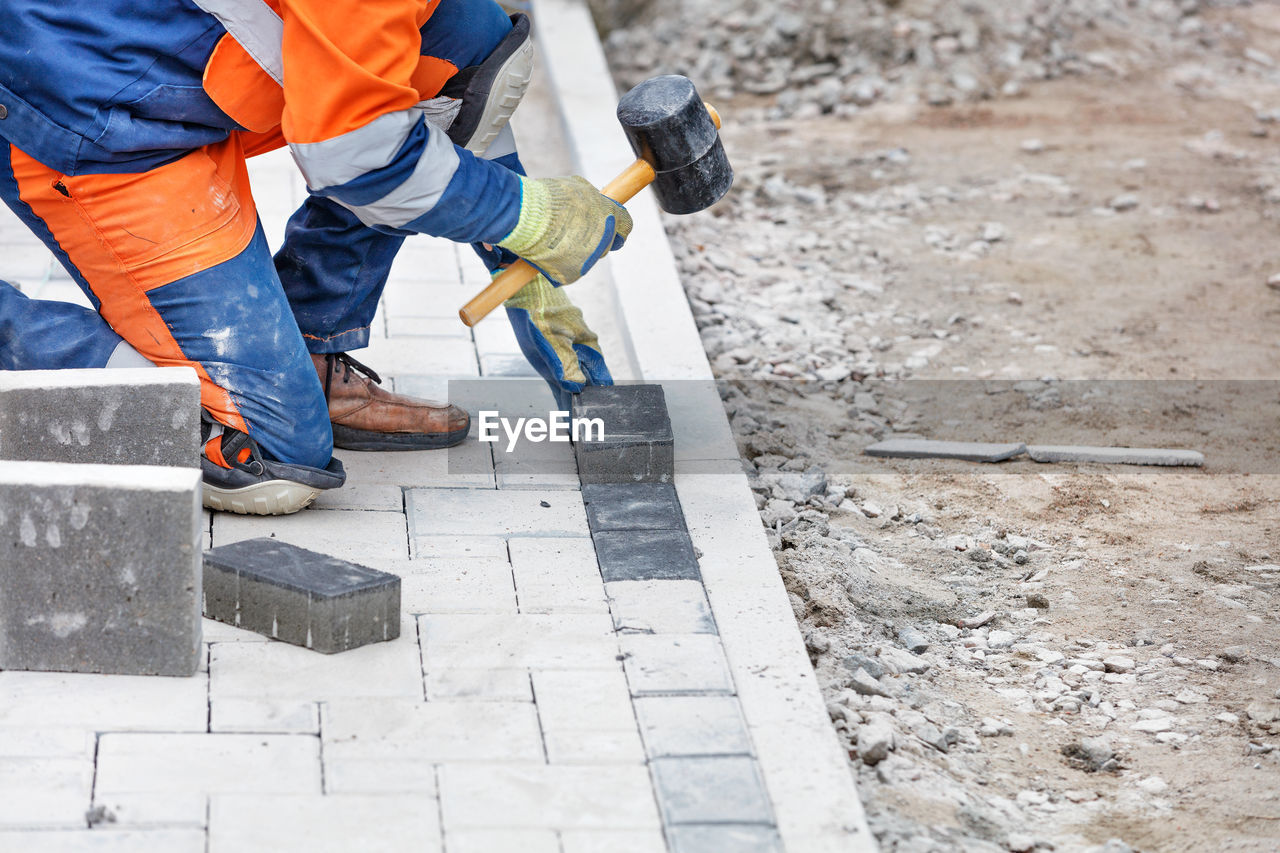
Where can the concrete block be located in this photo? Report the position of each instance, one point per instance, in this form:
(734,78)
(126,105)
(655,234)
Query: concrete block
(725,838)
(692,725)
(638,445)
(645,555)
(148,416)
(711,790)
(301,597)
(632,506)
(675,664)
(970,451)
(1115,455)
(100,568)
(660,607)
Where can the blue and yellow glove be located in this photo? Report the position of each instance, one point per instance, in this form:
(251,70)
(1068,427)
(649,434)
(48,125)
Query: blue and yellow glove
(565,226)
(556,340)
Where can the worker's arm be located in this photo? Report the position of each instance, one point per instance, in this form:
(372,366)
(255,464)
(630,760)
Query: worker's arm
(351,123)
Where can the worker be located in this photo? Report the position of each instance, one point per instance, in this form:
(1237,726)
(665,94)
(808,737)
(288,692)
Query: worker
(124,129)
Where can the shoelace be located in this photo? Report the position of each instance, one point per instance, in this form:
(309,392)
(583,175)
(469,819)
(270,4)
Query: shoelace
(349,363)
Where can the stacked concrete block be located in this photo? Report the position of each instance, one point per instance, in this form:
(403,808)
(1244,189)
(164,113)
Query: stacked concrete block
(99,568)
(288,593)
(147,416)
(637,445)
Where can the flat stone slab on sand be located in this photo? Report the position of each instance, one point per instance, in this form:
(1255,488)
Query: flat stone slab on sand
(920,448)
(1115,455)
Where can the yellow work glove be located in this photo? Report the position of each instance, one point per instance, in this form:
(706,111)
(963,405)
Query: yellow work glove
(556,340)
(565,226)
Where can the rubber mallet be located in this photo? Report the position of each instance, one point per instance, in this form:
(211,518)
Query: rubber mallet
(674,135)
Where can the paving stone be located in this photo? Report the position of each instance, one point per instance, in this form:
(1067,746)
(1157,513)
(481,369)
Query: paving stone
(613,841)
(99,841)
(100,568)
(346,534)
(505,365)
(692,725)
(152,810)
(576,700)
(594,747)
(206,763)
(479,685)
(529,640)
(46,742)
(378,776)
(103,702)
(468,465)
(1115,455)
(971,451)
(698,417)
(45,792)
(537,475)
(675,663)
(644,555)
(274,716)
(273,671)
(81,415)
(384,823)
(454,585)
(566,796)
(469,547)
(378,498)
(431,731)
(711,790)
(301,597)
(557,576)
(632,506)
(725,838)
(638,444)
(503,840)
(446,512)
(420,356)
(660,607)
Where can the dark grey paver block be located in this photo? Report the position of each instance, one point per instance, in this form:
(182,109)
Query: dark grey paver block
(645,555)
(970,451)
(1115,455)
(724,838)
(711,790)
(146,416)
(301,597)
(692,725)
(638,445)
(100,568)
(632,506)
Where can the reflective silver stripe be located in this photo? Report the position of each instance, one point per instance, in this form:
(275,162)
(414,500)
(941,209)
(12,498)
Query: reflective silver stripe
(419,192)
(335,161)
(257,28)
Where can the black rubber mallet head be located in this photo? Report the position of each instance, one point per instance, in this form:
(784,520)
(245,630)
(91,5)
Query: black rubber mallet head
(672,130)
(674,134)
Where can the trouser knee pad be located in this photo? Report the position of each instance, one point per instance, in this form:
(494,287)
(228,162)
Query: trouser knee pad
(491,91)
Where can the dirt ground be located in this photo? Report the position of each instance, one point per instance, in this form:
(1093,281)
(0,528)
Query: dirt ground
(1174,570)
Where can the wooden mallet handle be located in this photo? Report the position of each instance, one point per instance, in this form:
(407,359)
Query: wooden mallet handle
(621,189)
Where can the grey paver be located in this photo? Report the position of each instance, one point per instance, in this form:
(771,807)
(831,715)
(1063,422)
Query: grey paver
(557,576)
(153,809)
(1115,455)
(378,776)
(103,702)
(692,725)
(971,451)
(276,716)
(100,568)
(431,731)
(675,663)
(44,791)
(301,597)
(644,555)
(99,841)
(632,506)
(147,416)
(528,640)
(725,838)
(354,535)
(478,685)
(454,584)
(594,747)
(660,607)
(637,446)
(711,790)
(577,700)
(567,796)
(273,672)
(323,824)
(206,763)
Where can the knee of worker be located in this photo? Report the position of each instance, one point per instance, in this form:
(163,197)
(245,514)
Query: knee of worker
(283,410)
(464,32)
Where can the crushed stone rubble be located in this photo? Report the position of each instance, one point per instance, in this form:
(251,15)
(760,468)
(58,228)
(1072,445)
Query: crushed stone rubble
(933,696)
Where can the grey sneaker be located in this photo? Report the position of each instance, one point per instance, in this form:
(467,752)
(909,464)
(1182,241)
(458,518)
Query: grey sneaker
(245,481)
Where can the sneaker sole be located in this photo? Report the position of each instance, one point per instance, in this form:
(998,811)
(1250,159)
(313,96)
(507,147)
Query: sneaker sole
(513,76)
(348,438)
(273,497)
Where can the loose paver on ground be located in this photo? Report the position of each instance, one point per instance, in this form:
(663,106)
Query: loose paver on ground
(1116,455)
(970,451)
(578,670)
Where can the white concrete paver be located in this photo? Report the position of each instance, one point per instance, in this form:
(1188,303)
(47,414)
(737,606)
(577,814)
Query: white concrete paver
(383,823)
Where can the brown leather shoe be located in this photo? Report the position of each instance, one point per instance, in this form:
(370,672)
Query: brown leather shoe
(366,417)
